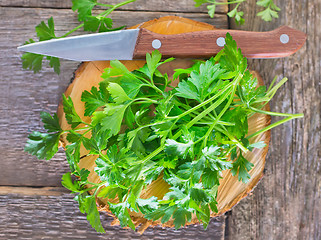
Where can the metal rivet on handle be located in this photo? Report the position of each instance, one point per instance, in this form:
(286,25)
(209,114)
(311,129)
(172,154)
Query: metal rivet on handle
(156,44)
(284,38)
(220,42)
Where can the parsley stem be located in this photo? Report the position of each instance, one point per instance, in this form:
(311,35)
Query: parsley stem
(227,105)
(209,131)
(207,101)
(272,83)
(194,113)
(276,124)
(104,5)
(233,139)
(146,100)
(94,184)
(153,154)
(150,84)
(219,122)
(218,102)
(271,92)
(101,155)
(88,129)
(71,31)
(142,102)
(123,3)
(275,113)
(210,109)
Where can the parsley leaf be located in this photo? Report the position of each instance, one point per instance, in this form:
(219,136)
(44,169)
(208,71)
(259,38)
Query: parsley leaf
(131,86)
(176,148)
(117,93)
(111,118)
(187,89)
(110,166)
(237,116)
(100,23)
(95,98)
(69,184)
(238,15)
(83,7)
(147,205)
(32,61)
(70,113)
(42,145)
(210,178)
(73,155)
(116,69)
(46,32)
(87,204)
(135,192)
(231,58)
(54,63)
(213,156)
(51,123)
(121,212)
(270,12)
(201,82)
(242,166)
(181,215)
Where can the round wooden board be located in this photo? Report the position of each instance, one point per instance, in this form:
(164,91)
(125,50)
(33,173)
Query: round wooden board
(230,191)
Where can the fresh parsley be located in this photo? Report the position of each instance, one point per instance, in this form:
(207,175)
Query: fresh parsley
(270,9)
(89,22)
(142,128)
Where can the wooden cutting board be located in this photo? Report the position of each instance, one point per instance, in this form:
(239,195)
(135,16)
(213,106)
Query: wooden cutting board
(230,191)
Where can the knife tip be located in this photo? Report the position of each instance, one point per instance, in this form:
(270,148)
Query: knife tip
(21,48)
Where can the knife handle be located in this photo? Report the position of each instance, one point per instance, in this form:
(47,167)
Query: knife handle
(280,42)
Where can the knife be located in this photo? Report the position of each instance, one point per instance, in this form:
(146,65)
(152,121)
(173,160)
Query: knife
(135,43)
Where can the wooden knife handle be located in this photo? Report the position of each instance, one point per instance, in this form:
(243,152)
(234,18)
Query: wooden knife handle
(280,42)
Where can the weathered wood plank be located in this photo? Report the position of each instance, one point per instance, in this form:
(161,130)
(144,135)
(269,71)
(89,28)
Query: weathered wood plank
(286,204)
(32,191)
(139,5)
(24,94)
(58,217)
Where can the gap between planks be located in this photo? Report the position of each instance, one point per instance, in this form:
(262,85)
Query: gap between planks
(33,191)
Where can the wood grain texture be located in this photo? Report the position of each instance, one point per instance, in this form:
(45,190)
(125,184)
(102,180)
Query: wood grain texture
(139,5)
(58,217)
(203,44)
(24,94)
(286,204)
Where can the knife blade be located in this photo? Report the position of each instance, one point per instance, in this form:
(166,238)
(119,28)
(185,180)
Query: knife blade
(135,43)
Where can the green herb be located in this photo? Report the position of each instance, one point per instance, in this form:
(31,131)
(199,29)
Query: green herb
(270,11)
(89,22)
(187,134)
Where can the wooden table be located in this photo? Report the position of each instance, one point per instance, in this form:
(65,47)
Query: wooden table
(285,204)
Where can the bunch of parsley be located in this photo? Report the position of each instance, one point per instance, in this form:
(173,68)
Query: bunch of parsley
(143,128)
(89,22)
(270,9)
